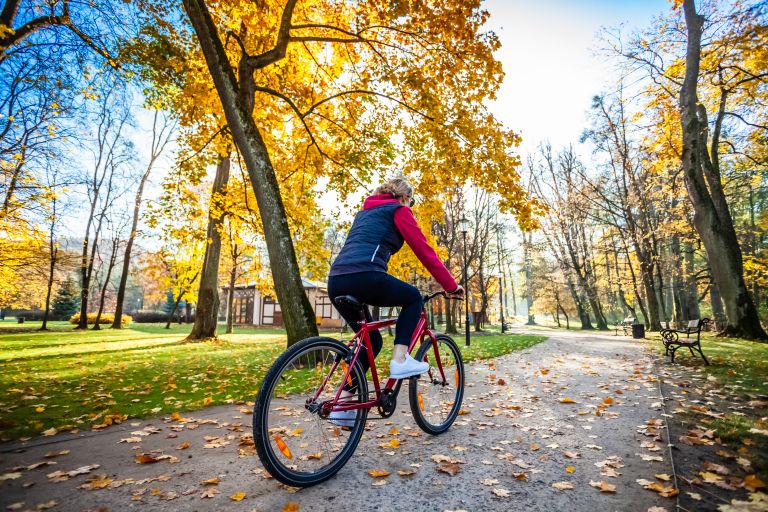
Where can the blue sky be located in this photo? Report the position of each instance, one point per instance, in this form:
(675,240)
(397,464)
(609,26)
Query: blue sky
(547,55)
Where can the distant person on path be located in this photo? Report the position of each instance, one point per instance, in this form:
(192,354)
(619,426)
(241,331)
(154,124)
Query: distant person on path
(360,270)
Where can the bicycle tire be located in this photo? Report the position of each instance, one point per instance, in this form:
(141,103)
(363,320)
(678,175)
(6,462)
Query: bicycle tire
(261,414)
(417,406)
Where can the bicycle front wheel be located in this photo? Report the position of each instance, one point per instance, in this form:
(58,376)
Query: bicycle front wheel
(295,439)
(436,397)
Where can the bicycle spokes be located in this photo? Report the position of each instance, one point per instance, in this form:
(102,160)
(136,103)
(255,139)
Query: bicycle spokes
(294,423)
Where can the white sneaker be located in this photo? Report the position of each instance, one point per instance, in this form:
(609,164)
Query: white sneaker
(407,368)
(343,418)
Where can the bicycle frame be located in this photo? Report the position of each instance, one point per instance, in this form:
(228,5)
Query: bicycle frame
(363,338)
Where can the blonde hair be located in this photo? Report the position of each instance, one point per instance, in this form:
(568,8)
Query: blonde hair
(396,187)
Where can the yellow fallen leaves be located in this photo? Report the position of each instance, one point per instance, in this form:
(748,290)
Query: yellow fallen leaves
(567,400)
(405,473)
(753,483)
(238,496)
(665,491)
(291,506)
(58,453)
(378,473)
(97,482)
(570,469)
(562,486)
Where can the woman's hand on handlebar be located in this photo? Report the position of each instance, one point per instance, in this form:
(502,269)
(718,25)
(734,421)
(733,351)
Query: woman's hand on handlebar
(457,293)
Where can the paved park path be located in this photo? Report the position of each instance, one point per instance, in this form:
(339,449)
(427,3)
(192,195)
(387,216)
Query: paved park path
(569,424)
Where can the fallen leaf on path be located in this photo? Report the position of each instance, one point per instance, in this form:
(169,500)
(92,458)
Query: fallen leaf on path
(562,486)
(211,481)
(753,483)
(489,481)
(603,486)
(145,458)
(758,502)
(405,473)
(501,493)
(663,476)
(291,506)
(570,469)
(522,477)
(10,476)
(50,455)
(449,467)
(97,482)
(572,455)
(716,468)
(46,505)
(567,400)
(210,492)
(444,458)
(666,491)
(238,496)
(378,473)
(183,446)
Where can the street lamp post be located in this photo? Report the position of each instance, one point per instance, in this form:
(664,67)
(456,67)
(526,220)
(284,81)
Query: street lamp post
(501,278)
(464,226)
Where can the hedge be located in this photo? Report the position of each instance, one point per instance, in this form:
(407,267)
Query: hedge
(106,319)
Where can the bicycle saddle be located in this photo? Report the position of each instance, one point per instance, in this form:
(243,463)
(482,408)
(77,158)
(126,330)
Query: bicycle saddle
(348,300)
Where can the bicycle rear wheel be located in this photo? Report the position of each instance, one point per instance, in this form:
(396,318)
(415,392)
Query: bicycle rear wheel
(435,402)
(295,439)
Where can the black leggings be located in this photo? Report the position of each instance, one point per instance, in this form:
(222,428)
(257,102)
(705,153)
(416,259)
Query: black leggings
(378,289)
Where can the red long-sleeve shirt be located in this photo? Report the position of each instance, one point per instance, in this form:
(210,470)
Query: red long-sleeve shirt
(409,229)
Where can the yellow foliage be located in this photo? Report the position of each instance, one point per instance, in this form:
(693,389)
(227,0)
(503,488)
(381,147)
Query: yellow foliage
(105,319)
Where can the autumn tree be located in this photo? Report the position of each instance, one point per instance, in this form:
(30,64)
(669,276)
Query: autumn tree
(332,83)
(163,128)
(706,101)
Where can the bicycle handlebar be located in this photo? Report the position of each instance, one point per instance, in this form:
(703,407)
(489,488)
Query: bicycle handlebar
(449,296)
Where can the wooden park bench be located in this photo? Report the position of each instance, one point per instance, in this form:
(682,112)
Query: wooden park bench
(625,326)
(672,341)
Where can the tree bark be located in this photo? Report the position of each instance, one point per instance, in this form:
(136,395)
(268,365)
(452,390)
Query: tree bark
(53,255)
(207,316)
(528,277)
(237,101)
(231,298)
(160,138)
(110,267)
(711,218)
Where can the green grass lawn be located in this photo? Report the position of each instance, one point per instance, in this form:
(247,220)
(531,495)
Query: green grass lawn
(68,379)
(741,369)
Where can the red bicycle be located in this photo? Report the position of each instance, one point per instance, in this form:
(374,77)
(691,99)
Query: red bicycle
(295,438)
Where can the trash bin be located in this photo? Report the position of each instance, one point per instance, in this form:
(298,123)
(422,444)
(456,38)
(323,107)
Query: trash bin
(20,319)
(638,331)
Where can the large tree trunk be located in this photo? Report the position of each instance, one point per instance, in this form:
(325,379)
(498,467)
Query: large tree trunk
(711,218)
(717,306)
(237,101)
(207,316)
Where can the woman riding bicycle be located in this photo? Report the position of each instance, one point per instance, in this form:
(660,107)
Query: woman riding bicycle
(360,270)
